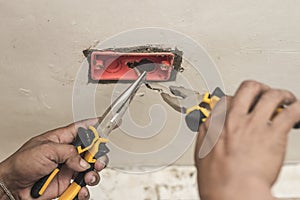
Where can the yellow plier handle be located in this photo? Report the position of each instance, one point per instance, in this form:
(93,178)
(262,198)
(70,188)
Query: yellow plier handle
(85,141)
(98,149)
(199,113)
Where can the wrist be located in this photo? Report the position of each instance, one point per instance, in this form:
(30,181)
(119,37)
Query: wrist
(3,196)
(248,188)
(2,193)
(5,184)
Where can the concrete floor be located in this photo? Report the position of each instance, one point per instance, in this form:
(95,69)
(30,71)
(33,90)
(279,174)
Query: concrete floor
(177,182)
(41,54)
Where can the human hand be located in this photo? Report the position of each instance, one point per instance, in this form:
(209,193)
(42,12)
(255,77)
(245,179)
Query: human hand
(40,156)
(248,156)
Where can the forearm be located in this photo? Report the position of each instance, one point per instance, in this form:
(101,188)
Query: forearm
(246,189)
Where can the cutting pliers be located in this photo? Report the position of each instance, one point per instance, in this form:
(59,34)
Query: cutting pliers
(195,106)
(91,143)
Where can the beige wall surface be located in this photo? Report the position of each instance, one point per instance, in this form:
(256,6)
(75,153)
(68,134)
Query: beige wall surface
(41,44)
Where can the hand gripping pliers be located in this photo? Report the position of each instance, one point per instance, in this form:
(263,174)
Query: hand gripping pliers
(197,107)
(91,143)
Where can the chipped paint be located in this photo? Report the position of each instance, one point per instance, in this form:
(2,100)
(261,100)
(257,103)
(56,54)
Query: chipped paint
(25,92)
(42,99)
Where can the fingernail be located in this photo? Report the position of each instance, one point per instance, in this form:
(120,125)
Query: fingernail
(84,164)
(103,161)
(93,180)
(86,195)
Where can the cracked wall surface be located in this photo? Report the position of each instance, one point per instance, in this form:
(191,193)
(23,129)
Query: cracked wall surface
(41,44)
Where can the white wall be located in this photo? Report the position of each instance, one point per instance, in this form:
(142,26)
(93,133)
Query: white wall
(41,44)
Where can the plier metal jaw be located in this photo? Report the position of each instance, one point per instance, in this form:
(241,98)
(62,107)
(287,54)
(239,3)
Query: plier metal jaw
(181,99)
(195,106)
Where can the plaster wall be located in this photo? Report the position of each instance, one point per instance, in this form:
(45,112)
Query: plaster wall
(41,44)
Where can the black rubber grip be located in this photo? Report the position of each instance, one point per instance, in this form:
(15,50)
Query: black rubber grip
(297,126)
(194,119)
(38,186)
(35,190)
(80,178)
(103,150)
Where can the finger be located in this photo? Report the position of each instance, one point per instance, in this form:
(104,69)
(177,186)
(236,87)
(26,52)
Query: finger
(200,139)
(270,101)
(84,194)
(68,133)
(65,153)
(172,101)
(92,178)
(220,110)
(214,128)
(285,121)
(64,177)
(208,146)
(101,163)
(246,96)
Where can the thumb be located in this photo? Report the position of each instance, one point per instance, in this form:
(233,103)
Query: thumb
(212,129)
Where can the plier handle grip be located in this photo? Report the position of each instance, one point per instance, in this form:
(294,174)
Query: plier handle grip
(91,143)
(198,114)
(91,146)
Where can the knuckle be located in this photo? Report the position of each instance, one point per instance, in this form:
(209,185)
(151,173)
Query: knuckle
(71,154)
(47,145)
(276,93)
(251,84)
(48,150)
(279,94)
(272,94)
(72,150)
(290,95)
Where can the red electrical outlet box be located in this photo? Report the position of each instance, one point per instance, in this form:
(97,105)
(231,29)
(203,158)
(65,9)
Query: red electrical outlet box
(113,65)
